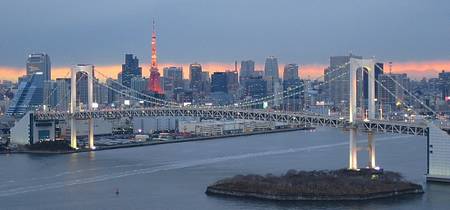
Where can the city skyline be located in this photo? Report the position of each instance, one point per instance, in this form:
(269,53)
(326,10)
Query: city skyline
(416,70)
(223,33)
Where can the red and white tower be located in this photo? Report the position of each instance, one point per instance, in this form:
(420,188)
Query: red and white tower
(154,82)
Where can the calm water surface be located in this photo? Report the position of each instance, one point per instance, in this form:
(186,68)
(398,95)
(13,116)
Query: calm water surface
(175,176)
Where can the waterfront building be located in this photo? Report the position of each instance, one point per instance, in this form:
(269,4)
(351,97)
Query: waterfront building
(29,95)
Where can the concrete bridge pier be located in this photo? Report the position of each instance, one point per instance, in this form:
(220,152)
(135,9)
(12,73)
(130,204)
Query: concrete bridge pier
(371,149)
(353,161)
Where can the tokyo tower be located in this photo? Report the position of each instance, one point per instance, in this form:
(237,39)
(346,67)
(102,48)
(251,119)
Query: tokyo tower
(154,82)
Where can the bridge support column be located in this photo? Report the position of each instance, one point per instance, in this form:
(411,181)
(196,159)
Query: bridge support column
(90,73)
(371,93)
(353,150)
(73,106)
(371,149)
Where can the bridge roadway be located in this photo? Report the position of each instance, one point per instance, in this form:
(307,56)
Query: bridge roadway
(296,118)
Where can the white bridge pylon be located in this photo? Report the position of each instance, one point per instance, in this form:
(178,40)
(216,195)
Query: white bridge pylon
(367,65)
(89,70)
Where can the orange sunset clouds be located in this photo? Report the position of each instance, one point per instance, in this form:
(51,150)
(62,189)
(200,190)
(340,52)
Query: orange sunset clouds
(415,69)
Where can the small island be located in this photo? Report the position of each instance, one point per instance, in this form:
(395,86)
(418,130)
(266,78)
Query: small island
(295,185)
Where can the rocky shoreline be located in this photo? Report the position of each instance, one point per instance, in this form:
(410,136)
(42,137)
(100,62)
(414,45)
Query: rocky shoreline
(338,185)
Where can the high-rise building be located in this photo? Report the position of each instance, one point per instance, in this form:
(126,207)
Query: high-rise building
(195,75)
(219,82)
(29,94)
(39,62)
(271,75)
(271,67)
(82,88)
(291,72)
(444,85)
(62,93)
(113,96)
(392,94)
(232,83)
(255,87)
(247,70)
(172,79)
(138,84)
(100,93)
(154,81)
(338,85)
(49,98)
(130,70)
(293,92)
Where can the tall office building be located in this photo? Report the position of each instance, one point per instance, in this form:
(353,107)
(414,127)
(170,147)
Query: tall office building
(444,85)
(138,84)
(39,62)
(219,82)
(271,67)
(62,93)
(28,96)
(30,92)
(195,75)
(130,70)
(392,85)
(255,87)
(82,88)
(154,81)
(291,85)
(232,83)
(247,70)
(338,86)
(172,79)
(272,77)
(291,72)
(49,97)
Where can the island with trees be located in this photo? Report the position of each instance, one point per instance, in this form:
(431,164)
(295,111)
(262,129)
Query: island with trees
(340,184)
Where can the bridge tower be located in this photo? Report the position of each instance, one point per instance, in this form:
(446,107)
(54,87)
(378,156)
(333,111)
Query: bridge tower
(369,66)
(89,70)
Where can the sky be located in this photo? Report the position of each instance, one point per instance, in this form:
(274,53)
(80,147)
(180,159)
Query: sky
(413,34)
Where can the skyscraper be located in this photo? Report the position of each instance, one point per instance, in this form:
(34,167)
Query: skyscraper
(291,84)
(130,70)
(444,85)
(247,70)
(173,78)
(291,72)
(195,74)
(338,88)
(393,83)
(271,67)
(39,62)
(154,83)
(219,82)
(29,94)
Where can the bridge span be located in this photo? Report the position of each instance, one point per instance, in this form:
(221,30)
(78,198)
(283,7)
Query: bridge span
(293,118)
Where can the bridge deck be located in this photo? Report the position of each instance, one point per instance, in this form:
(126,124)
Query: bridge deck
(297,118)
